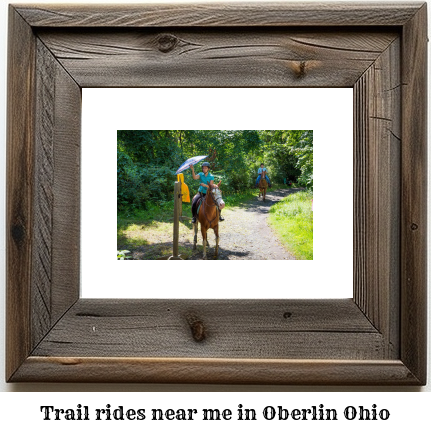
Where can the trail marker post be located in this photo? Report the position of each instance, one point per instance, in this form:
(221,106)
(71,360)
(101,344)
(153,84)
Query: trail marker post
(178,211)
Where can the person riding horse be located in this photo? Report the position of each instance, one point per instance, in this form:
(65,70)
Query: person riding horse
(206,179)
(260,171)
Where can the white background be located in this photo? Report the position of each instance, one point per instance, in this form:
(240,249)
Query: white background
(16,409)
(329,112)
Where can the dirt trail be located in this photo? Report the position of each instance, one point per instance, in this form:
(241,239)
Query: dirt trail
(245,233)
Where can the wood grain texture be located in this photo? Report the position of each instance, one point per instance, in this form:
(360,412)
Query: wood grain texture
(43,191)
(67,199)
(55,278)
(220,15)
(43,194)
(377,99)
(19,200)
(414,195)
(228,58)
(268,329)
(378,338)
(215,371)
(387,121)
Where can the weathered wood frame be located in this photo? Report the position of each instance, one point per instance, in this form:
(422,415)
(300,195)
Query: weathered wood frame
(378,337)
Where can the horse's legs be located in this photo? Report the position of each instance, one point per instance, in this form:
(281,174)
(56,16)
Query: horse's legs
(204,240)
(217,241)
(195,239)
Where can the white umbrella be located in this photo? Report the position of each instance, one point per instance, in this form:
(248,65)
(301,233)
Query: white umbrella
(190,162)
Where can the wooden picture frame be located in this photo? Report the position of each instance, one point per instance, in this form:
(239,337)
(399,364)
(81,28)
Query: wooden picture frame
(378,337)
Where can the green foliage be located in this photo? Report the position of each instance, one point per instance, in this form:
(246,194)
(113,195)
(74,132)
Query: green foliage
(131,192)
(301,142)
(277,156)
(146,165)
(147,161)
(292,219)
(121,255)
(236,198)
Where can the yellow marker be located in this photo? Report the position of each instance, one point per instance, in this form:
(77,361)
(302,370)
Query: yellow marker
(184,189)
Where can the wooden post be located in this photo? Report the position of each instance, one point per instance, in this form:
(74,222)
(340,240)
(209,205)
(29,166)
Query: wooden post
(177,204)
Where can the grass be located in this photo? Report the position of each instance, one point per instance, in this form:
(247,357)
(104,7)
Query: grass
(137,229)
(292,220)
(154,224)
(159,213)
(234,199)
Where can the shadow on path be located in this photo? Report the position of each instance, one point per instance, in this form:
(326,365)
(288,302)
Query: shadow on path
(244,235)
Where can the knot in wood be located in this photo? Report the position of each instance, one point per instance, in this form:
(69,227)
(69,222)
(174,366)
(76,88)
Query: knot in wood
(18,233)
(287,314)
(167,42)
(197,327)
(414,226)
(300,69)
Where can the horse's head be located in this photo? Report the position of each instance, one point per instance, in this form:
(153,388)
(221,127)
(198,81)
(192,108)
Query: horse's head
(216,195)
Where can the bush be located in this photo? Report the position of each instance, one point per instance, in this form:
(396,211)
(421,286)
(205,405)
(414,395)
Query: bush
(131,192)
(140,184)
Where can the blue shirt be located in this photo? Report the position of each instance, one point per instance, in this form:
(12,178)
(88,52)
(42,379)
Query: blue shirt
(206,180)
(260,170)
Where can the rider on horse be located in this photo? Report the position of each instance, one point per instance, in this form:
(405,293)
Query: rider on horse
(206,179)
(260,171)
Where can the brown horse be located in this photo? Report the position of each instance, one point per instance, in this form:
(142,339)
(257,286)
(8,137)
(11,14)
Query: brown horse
(208,217)
(263,185)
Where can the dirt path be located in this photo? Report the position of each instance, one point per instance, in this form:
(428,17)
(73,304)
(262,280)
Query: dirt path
(244,235)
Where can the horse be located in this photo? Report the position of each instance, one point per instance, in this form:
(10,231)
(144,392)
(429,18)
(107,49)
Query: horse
(208,217)
(263,185)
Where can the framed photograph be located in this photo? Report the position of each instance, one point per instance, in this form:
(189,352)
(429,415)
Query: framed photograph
(376,337)
(114,117)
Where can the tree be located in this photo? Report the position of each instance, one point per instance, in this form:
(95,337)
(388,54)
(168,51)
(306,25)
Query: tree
(301,142)
(147,160)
